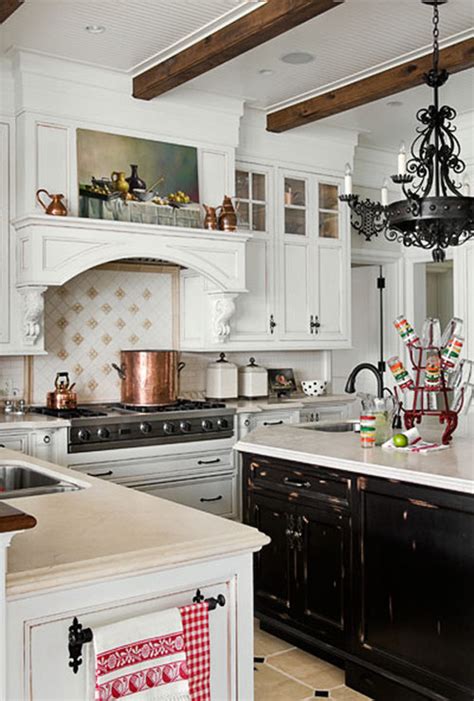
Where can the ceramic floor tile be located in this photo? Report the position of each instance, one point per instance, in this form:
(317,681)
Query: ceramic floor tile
(266,644)
(346,694)
(308,669)
(270,685)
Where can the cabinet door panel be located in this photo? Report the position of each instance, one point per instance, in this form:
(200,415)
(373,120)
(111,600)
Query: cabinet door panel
(331,286)
(296,292)
(324,561)
(417,572)
(252,316)
(275,563)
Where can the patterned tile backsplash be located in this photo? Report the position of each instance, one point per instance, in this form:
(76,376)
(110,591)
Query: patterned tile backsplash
(91,318)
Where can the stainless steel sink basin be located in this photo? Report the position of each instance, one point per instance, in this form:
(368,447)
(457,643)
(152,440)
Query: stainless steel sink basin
(332,427)
(19,481)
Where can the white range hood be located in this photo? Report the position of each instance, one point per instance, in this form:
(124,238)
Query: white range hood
(52,250)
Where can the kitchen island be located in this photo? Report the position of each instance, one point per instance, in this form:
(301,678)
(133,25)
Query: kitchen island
(104,553)
(371,560)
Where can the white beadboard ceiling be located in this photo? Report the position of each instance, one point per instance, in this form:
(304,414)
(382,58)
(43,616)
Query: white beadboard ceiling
(136,30)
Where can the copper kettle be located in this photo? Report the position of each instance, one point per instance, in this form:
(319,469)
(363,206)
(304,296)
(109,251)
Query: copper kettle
(62,397)
(56,207)
(228,215)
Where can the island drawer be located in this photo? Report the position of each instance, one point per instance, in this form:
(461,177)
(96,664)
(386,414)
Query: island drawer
(302,482)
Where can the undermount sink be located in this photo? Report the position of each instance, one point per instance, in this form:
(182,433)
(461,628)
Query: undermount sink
(17,481)
(333,427)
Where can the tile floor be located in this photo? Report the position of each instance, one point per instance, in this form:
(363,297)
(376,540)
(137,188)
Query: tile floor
(289,674)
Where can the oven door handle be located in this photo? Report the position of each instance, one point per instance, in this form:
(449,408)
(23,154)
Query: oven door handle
(101,474)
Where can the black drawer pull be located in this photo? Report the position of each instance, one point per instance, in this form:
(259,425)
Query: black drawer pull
(208,462)
(212,499)
(272,423)
(296,483)
(101,474)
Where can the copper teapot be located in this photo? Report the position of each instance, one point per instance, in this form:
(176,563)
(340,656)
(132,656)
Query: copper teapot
(210,220)
(62,397)
(228,215)
(56,207)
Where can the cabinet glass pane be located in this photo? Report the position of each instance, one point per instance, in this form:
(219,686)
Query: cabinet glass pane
(243,219)
(258,217)
(328,196)
(258,187)
(295,221)
(295,192)
(242,184)
(329,225)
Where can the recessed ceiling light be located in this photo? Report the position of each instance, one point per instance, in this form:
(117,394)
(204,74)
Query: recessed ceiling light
(95,28)
(395,103)
(297,57)
(265,71)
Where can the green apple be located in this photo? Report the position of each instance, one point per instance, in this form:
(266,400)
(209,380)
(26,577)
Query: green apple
(400,440)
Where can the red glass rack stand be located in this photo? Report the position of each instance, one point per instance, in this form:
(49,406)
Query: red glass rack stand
(420,406)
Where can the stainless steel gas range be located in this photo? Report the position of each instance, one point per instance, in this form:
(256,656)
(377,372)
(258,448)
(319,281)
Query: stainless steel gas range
(181,451)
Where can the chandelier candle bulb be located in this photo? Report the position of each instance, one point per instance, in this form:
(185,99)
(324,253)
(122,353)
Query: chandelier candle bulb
(451,354)
(384,193)
(348,180)
(400,373)
(466,188)
(406,330)
(402,159)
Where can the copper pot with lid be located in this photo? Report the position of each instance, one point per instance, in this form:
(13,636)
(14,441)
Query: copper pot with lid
(149,377)
(62,397)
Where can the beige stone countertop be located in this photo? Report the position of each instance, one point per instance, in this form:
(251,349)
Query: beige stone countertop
(451,469)
(105,530)
(251,406)
(30,420)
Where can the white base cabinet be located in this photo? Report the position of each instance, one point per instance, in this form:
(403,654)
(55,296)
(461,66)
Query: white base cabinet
(37,652)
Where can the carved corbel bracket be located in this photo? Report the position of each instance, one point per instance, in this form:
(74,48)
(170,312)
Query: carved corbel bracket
(33,312)
(223,309)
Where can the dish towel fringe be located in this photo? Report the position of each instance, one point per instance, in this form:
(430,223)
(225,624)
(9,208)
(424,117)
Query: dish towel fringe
(143,658)
(198,652)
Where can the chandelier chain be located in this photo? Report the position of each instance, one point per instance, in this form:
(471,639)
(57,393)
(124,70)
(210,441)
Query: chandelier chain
(435,38)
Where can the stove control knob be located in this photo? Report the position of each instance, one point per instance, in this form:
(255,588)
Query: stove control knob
(222,423)
(168,427)
(145,427)
(103,433)
(83,434)
(185,426)
(206,425)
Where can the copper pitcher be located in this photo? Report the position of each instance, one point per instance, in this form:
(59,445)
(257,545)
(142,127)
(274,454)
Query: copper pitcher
(227,216)
(56,207)
(210,220)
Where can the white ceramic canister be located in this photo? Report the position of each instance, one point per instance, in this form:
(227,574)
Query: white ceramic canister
(253,381)
(221,379)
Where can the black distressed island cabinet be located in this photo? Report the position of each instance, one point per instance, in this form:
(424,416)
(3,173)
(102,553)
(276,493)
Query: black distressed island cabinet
(373,573)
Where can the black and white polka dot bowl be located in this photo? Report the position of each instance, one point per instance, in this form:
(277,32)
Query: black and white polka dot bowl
(314,388)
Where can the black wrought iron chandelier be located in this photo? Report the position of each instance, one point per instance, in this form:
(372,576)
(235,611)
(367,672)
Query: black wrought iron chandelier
(438,211)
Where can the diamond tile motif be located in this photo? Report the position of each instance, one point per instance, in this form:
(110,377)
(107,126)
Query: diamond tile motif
(62,322)
(91,318)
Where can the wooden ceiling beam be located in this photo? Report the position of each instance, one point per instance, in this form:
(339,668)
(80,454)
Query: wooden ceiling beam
(255,28)
(455,58)
(8,7)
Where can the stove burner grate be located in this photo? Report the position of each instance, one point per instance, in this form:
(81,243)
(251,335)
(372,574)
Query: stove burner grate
(77,413)
(180,405)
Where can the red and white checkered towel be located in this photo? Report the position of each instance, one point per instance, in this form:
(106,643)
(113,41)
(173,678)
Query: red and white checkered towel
(143,658)
(198,652)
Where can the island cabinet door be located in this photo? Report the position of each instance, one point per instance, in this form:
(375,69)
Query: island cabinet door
(415,575)
(275,564)
(323,544)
